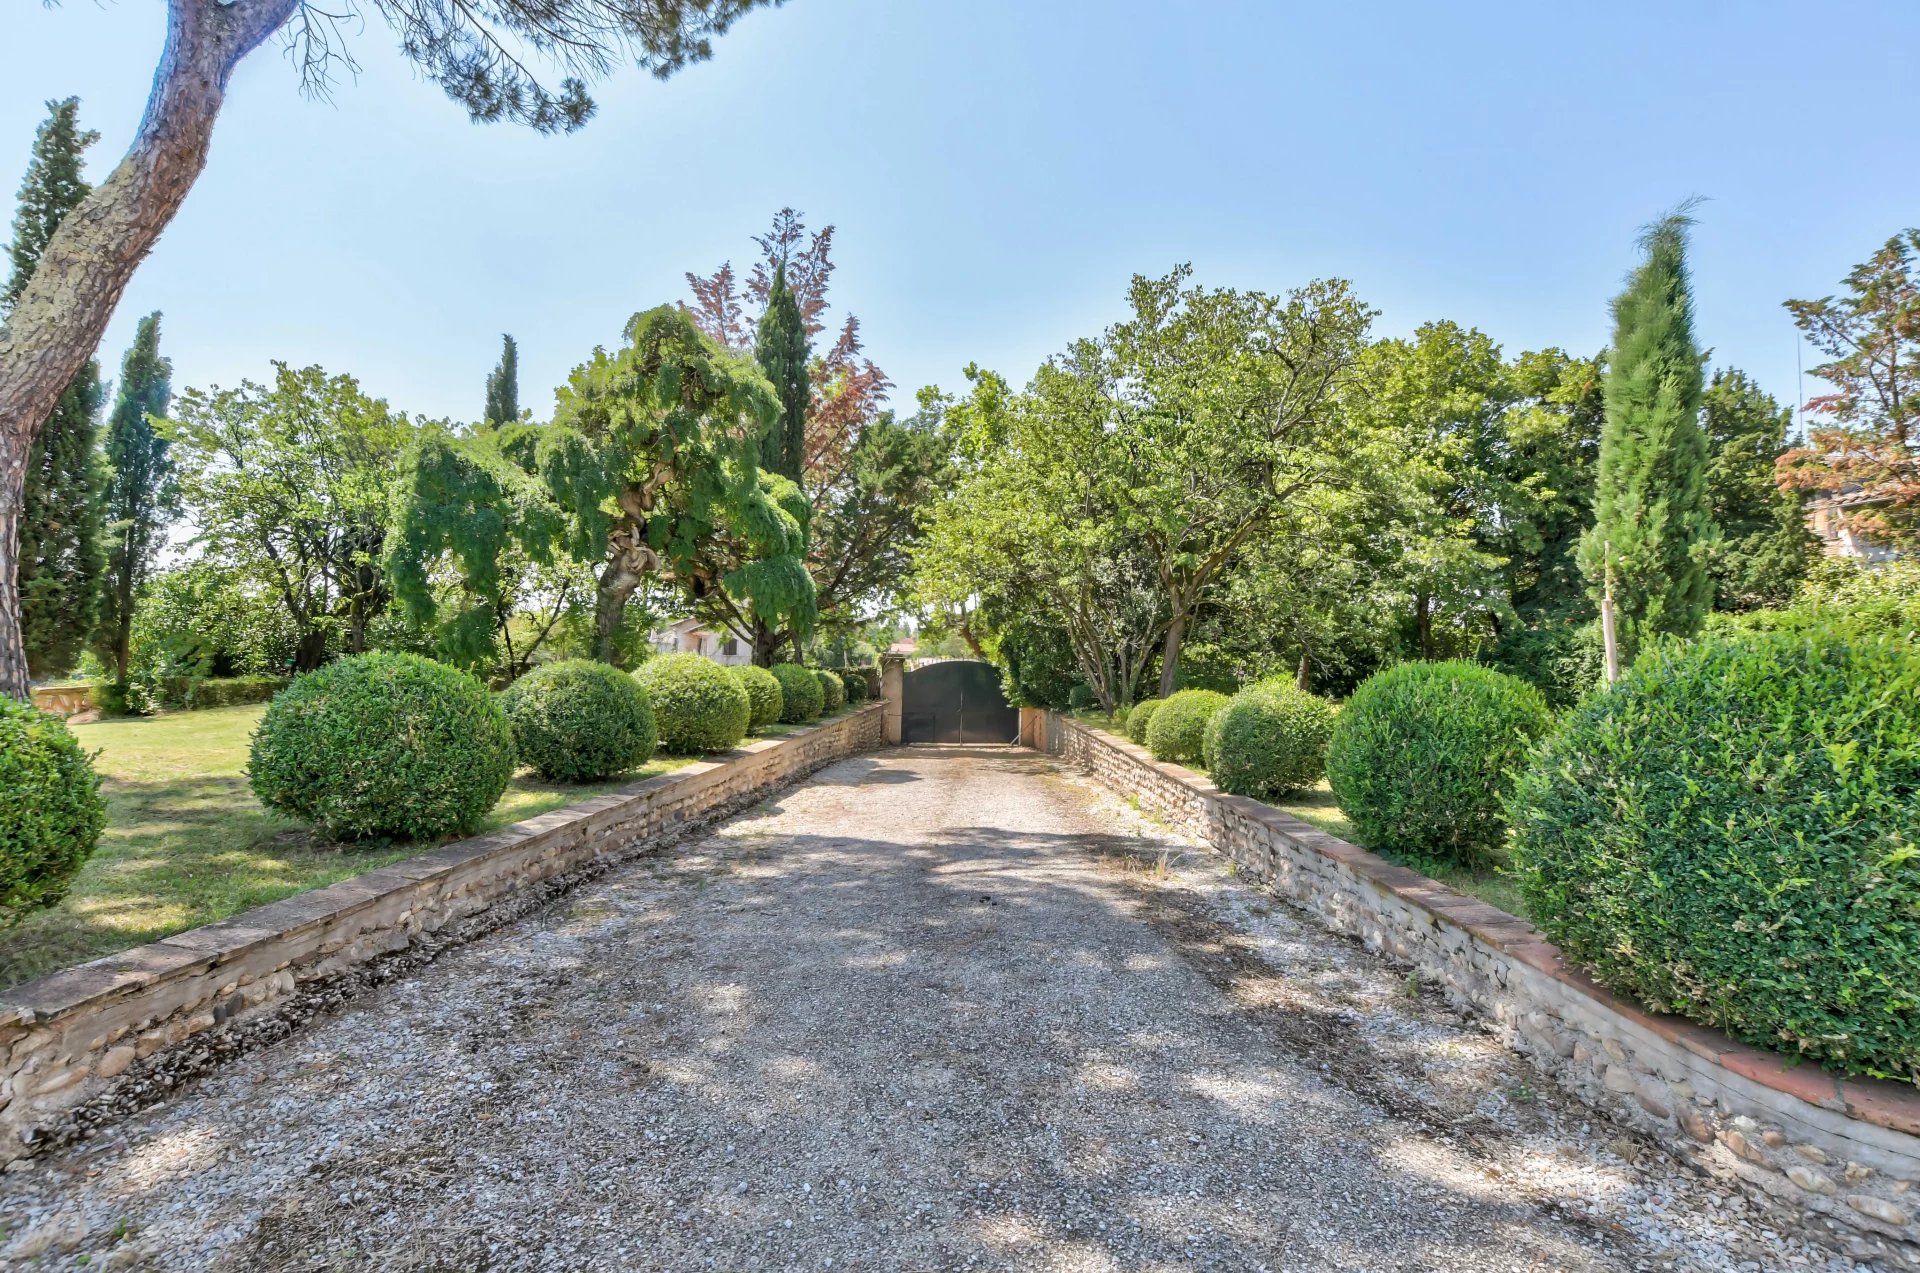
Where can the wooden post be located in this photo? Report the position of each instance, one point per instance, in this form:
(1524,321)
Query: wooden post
(1606,617)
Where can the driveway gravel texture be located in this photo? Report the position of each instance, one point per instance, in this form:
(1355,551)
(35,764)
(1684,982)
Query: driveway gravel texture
(939,1008)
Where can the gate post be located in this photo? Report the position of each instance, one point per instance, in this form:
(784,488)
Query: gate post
(893,686)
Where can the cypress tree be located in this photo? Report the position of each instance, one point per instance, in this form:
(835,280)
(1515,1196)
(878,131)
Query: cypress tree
(782,349)
(503,385)
(1765,546)
(60,551)
(143,492)
(1652,513)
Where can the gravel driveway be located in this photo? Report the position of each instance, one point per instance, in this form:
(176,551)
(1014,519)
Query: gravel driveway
(942,1008)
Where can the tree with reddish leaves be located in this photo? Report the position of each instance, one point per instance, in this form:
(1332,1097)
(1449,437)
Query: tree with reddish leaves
(865,475)
(1866,450)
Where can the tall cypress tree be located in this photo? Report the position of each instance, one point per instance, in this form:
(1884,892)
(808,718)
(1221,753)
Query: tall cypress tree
(143,492)
(60,551)
(1652,512)
(503,385)
(783,351)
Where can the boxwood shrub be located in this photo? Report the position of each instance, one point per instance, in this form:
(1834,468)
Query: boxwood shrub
(383,745)
(1270,739)
(859,688)
(833,689)
(1177,729)
(1732,833)
(698,705)
(763,693)
(1421,757)
(579,721)
(51,814)
(802,699)
(1140,717)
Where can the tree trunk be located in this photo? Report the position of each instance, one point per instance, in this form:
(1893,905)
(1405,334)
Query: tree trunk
(60,317)
(1170,652)
(311,651)
(1303,679)
(617,584)
(767,644)
(1424,625)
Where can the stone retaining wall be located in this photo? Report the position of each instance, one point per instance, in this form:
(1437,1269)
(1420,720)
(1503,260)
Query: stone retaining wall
(1836,1156)
(68,1039)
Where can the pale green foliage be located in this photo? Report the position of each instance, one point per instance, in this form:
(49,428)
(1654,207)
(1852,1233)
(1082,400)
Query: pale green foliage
(287,484)
(651,454)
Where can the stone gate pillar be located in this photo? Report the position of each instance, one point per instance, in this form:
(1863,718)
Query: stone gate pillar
(893,684)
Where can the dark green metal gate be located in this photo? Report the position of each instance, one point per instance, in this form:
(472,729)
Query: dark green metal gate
(956,701)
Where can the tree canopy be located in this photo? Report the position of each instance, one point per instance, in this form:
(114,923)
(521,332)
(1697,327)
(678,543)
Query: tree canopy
(652,454)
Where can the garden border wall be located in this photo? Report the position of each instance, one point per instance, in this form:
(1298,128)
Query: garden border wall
(74,1037)
(1839,1155)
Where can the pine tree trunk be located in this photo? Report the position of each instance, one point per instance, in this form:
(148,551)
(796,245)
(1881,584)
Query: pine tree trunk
(13,645)
(64,310)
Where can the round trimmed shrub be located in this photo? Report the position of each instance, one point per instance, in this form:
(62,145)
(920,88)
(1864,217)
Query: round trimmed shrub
(51,813)
(1177,730)
(1270,739)
(1140,717)
(383,745)
(833,688)
(579,721)
(763,693)
(801,698)
(698,705)
(859,689)
(1422,756)
(1732,833)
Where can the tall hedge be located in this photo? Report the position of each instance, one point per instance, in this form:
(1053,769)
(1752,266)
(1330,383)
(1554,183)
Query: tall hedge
(1140,717)
(1269,740)
(51,814)
(1421,757)
(802,699)
(833,690)
(1732,833)
(763,693)
(698,705)
(383,745)
(1177,730)
(579,721)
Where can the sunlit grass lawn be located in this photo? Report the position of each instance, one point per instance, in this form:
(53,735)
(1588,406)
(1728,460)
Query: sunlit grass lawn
(186,843)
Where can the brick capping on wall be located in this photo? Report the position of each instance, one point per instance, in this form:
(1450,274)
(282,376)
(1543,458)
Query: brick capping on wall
(69,1039)
(1842,1154)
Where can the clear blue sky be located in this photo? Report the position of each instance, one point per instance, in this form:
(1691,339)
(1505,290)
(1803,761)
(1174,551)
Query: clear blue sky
(997,169)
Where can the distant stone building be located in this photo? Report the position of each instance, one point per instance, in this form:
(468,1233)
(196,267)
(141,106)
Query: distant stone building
(1826,517)
(690,636)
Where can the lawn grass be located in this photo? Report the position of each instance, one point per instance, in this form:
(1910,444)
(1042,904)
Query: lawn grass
(1488,883)
(187,844)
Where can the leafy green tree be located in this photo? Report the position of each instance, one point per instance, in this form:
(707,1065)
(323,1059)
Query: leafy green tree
(1225,408)
(143,491)
(482,55)
(1653,528)
(653,452)
(1765,546)
(56,533)
(287,484)
(503,386)
(780,347)
(1034,527)
(1867,444)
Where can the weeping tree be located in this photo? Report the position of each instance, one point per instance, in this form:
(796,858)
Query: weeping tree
(651,457)
(482,55)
